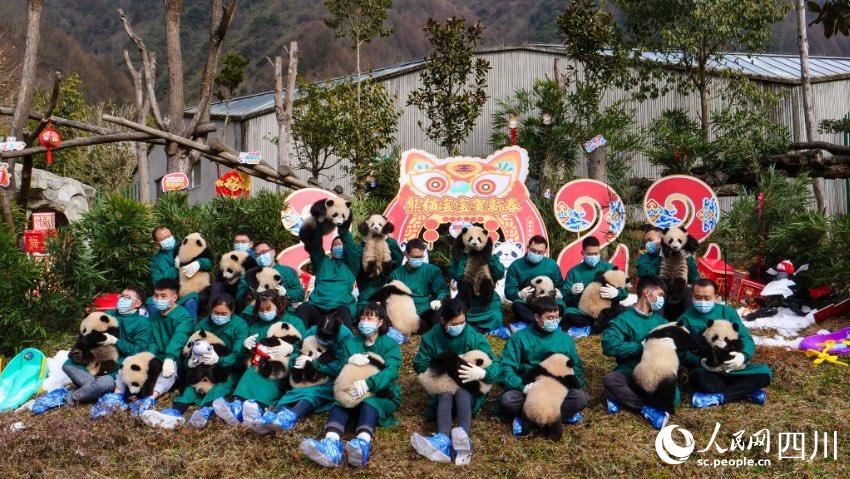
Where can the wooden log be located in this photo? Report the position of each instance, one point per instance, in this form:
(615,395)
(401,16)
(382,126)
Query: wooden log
(83,141)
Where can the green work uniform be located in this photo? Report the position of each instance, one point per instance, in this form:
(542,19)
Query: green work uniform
(437,341)
(522,271)
(320,396)
(649,264)
(162,265)
(426,284)
(366,286)
(133,336)
(233,334)
(334,277)
(287,318)
(383,384)
(487,317)
(584,274)
(696,323)
(252,384)
(289,280)
(191,302)
(525,349)
(169,332)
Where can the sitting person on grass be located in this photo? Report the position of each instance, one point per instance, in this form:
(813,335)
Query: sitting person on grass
(523,270)
(578,277)
(426,283)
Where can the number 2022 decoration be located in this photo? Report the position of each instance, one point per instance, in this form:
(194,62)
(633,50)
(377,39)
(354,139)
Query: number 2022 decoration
(683,201)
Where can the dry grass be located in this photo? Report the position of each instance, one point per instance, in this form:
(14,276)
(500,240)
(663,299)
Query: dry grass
(66,443)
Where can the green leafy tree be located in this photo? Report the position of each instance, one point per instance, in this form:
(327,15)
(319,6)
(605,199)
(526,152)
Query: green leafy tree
(453,81)
(230,75)
(675,142)
(834,15)
(695,34)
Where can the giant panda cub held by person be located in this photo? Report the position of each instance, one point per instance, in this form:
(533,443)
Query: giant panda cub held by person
(90,349)
(476,285)
(676,246)
(139,373)
(270,357)
(376,258)
(325,215)
(192,248)
(720,339)
(351,373)
(658,368)
(600,309)
(553,379)
(231,267)
(327,332)
(398,300)
(203,377)
(443,374)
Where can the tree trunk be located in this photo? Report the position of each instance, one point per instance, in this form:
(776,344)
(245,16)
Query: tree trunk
(705,113)
(283,109)
(809,115)
(596,164)
(174,58)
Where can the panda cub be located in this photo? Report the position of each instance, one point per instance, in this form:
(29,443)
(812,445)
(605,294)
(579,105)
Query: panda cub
(203,377)
(658,368)
(139,373)
(192,248)
(720,339)
(351,373)
(90,351)
(325,215)
(231,267)
(676,246)
(543,286)
(476,285)
(270,356)
(376,257)
(401,309)
(327,332)
(553,378)
(600,309)
(443,374)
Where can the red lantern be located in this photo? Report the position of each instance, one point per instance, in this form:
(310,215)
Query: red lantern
(50,139)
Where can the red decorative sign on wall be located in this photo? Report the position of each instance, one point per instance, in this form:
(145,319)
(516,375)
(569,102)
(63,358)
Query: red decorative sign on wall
(174,182)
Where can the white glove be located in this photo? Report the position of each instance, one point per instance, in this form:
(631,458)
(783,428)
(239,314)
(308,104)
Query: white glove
(737,362)
(358,389)
(190,269)
(471,373)
(176,261)
(194,361)
(280,352)
(436,304)
(210,358)
(526,292)
(577,288)
(301,361)
(558,294)
(110,339)
(358,359)
(528,387)
(608,292)
(281,290)
(704,364)
(250,342)
(169,368)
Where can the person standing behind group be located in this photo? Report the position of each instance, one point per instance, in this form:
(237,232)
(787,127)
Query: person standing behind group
(579,276)
(426,283)
(242,242)
(290,284)
(523,270)
(649,263)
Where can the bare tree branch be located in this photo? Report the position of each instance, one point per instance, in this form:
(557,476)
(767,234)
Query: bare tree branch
(148,66)
(82,141)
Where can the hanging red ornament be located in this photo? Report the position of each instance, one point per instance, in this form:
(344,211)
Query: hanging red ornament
(50,139)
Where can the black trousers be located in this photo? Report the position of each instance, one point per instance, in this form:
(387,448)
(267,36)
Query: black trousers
(311,315)
(732,386)
(622,388)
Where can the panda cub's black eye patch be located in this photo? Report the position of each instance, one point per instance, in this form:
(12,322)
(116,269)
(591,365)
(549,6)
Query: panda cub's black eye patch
(134,383)
(714,338)
(199,243)
(135,367)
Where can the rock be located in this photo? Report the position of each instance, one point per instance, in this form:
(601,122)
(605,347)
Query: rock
(58,193)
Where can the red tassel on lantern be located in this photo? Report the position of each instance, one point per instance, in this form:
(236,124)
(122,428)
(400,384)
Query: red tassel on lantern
(50,139)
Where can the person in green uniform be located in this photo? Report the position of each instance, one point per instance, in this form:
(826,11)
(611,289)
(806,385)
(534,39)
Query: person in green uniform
(133,337)
(162,263)
(376,409)
(623,341)
(525,350)
(649,263)
(334,278)
(253,385)
(300,402)
(487,317)
(426,282)
(232,330)
(453,336)
(367,286)
(242,242)
(736,379)
(290,284)
(523,270)
(580,276)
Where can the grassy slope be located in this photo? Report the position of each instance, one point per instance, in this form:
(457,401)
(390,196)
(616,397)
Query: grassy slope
(803,398)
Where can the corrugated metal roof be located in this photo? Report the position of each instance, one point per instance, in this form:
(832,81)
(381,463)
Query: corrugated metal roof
(767,67)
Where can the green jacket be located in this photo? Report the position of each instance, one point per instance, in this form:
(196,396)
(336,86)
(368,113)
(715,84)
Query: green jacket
(650,265)
(334,277)
(366,286)
(162,265)
(133,335)
(437,341)
(425,282)
(385,383)
(233,334)
(169,333)
(289,280)
(582,273)
(252,384)
(525,349)
(622,339)
(696,323)
(487,317)
(522,271)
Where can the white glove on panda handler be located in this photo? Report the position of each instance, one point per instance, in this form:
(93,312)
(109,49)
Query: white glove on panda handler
(190,269)
(358,389)
(528,387)
(737,362)
(577,288)
(169,368)
(250,342)
(524,293)
(301,361)
(608,292)
(435,304)
(209,359)
(471,373)
(110,339)
(176,261)
(358,360)
(281,290)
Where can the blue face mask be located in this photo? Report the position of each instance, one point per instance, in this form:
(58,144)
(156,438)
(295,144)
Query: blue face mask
(533,257)
(125,305)
(264,259)
(550,325)
(267,315)
(416,262)
(162,304)
(241,247)
(703,306)
(367,328)
(220,319)
(651,247)
(455,329)
(168,243)
(336,252)
(658,304)
(591,259)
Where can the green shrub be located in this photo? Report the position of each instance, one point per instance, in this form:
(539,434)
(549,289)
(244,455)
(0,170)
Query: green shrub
(675,142)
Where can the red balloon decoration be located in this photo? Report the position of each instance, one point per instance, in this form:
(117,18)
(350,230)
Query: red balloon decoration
(50,139)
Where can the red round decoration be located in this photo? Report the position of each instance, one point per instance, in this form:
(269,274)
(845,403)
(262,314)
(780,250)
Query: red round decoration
(50,139)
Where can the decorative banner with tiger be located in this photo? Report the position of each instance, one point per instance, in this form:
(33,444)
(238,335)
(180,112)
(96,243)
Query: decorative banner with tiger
(487,191)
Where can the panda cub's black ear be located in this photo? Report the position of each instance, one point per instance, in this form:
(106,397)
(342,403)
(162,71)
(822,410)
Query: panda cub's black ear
(710,323)
(569,362)
(348,204)
(735,326)
(680,324)
(104,318)
(615,268)
(234,257)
